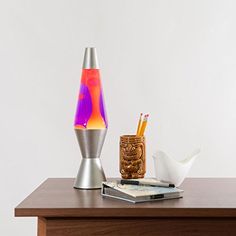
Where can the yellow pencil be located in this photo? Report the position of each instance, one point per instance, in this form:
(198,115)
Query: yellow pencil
(143,126)
(139,123)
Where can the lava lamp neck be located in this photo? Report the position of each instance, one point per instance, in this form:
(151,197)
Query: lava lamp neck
(90,59)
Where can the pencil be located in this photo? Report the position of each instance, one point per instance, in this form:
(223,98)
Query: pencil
(143,126)
(139,123)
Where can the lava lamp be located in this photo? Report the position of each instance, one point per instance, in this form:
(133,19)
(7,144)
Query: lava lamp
(90,124)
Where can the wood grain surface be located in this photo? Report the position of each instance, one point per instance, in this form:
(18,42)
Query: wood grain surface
(203,197)
(140,226)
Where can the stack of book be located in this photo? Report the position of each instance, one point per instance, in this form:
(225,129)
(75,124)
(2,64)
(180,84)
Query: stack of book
(140,190)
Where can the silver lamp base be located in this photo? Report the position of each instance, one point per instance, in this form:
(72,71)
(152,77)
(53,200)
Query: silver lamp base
(91,174)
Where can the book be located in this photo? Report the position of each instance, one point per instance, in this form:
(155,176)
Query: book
(138,193)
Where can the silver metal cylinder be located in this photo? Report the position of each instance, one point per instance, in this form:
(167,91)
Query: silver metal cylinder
(91,174)
(90,59)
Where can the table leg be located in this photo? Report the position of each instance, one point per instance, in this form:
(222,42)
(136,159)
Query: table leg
(42,226)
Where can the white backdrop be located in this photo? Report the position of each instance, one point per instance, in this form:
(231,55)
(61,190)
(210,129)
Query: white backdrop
(173,59)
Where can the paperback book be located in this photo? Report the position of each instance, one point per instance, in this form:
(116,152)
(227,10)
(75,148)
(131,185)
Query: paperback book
(139,193)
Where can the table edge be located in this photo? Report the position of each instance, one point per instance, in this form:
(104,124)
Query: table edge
(124,212)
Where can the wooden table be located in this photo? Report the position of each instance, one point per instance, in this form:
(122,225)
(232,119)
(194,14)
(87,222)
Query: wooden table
(207,208)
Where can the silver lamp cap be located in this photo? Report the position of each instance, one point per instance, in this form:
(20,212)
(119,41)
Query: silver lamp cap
(90,59)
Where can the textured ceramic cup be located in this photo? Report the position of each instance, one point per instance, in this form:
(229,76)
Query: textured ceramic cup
(132,156)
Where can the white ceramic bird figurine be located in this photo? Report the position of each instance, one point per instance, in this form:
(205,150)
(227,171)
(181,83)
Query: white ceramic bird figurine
(167,169)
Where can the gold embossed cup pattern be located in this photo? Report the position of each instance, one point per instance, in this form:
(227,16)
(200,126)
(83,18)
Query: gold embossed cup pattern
(132,156)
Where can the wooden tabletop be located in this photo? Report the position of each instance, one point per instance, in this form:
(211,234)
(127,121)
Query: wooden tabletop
(203,197)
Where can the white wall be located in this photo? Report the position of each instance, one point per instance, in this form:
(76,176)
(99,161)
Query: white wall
(173,59)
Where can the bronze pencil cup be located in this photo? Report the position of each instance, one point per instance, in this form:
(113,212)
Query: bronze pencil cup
(132,156)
